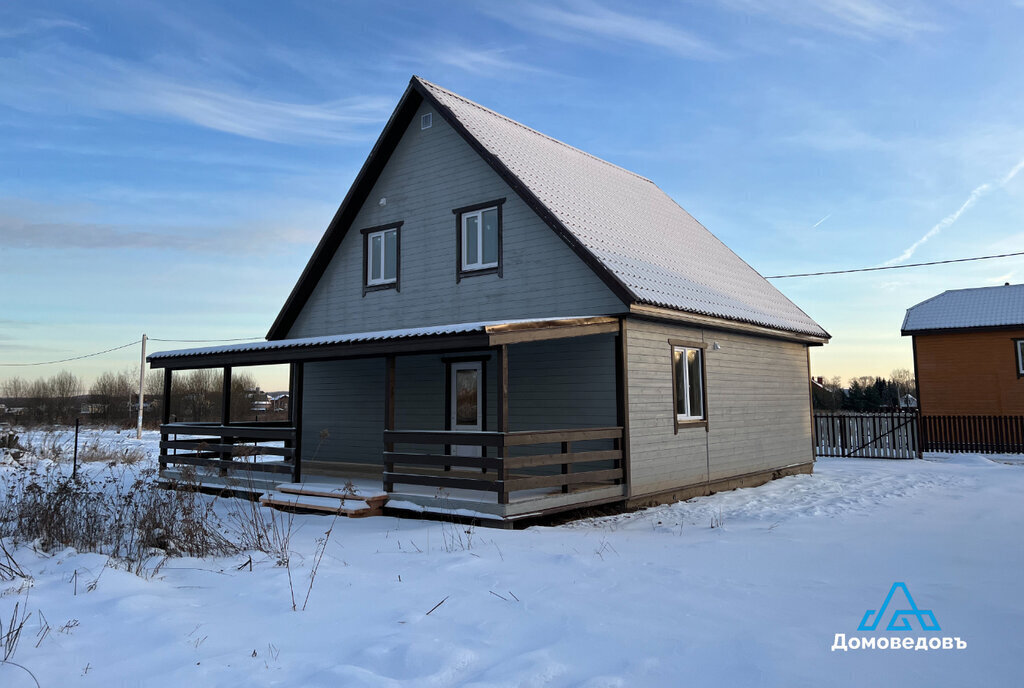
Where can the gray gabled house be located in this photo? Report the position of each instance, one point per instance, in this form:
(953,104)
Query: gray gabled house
(498,322)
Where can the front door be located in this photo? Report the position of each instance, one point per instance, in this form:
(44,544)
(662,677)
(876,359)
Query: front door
(467,403)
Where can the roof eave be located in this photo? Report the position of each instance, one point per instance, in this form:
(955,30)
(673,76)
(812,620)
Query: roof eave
(701,320)
(957,330)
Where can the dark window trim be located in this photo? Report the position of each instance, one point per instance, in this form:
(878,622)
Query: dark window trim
(459,212)
(1018,360)
(397,284)
(701,422)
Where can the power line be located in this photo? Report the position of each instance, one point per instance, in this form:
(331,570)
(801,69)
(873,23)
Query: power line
(205,341)
(76,358)
(897,267)
(124,346)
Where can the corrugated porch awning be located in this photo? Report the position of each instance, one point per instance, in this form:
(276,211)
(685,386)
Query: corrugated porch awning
(453,337)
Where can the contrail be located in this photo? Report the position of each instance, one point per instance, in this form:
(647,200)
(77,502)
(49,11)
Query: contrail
(950,219)
(830,215)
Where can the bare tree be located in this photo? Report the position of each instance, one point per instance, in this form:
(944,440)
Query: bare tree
(64,387)
(113,391)
(14,389)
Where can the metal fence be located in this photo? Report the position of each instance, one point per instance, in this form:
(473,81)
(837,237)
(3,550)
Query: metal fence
(907,434)
(893,435)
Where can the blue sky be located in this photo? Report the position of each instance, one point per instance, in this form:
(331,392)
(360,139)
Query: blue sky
(168,167)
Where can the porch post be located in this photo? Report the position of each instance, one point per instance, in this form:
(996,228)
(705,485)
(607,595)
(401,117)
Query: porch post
(502,420)
(225,414)
(165,415)
(225,397)
(295,416)
(622,400)
(389,417)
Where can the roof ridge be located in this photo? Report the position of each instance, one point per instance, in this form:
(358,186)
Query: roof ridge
(530,129)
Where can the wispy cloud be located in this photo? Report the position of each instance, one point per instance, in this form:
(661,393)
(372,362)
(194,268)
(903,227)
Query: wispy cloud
(19,233)
(496,62)
(864,19)
(54,79)
(587,21)
(950,219)
(39,25)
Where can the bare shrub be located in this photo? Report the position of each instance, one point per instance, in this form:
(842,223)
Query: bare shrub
(123,515)
(9,568)
(97,451)
(11,635)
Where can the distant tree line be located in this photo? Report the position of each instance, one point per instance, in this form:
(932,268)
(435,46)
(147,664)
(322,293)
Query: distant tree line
(113,398)
(866,393)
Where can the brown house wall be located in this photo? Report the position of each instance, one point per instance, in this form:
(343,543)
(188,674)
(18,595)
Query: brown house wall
(969,373)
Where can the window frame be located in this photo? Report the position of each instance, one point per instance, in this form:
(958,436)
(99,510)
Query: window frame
(689,421)
(478,208)
(1018,349)
(382,284)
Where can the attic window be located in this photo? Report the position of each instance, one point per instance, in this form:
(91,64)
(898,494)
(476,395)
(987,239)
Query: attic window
(427,120)
(478,239)
(382,257)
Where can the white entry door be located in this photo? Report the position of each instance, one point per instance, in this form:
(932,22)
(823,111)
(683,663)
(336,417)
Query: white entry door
(467,403)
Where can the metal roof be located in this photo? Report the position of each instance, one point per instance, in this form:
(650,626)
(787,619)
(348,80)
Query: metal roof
(358,337)
(657,250)
(966,308)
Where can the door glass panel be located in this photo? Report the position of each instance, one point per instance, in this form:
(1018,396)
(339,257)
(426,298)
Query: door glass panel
(472,240)
(466,397)
(490,236)
(694,378)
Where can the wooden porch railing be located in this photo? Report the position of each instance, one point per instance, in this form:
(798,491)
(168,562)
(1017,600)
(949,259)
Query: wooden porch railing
(230,447)
(503,480)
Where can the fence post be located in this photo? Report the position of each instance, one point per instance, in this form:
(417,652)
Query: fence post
(74,463)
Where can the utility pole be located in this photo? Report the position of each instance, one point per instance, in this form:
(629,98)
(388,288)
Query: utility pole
(142,388)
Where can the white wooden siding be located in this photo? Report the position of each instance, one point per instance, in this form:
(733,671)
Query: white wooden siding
(757,399)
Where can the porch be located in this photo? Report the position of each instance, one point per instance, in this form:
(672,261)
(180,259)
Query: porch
(493,420)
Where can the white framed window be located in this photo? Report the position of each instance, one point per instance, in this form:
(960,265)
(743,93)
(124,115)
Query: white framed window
(381,257)
(480,239)
(1019,346)
(688,383)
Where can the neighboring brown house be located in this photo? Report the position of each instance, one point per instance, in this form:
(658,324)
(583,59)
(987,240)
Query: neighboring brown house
(969,351)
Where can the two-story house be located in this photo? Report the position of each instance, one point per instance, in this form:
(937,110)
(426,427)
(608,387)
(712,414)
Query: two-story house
(498,322)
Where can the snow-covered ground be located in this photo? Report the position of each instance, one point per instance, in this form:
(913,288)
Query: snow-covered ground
(744,588)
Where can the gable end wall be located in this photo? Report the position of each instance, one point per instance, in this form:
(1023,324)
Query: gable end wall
(430,173)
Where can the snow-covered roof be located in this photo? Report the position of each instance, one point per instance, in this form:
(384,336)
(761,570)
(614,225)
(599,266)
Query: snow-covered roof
(658,252)
(965,308)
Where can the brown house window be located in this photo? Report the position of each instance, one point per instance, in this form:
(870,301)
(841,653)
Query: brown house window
(1018,346)
(689,395)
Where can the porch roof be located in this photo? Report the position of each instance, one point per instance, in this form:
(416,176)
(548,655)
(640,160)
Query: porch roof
(457,336)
